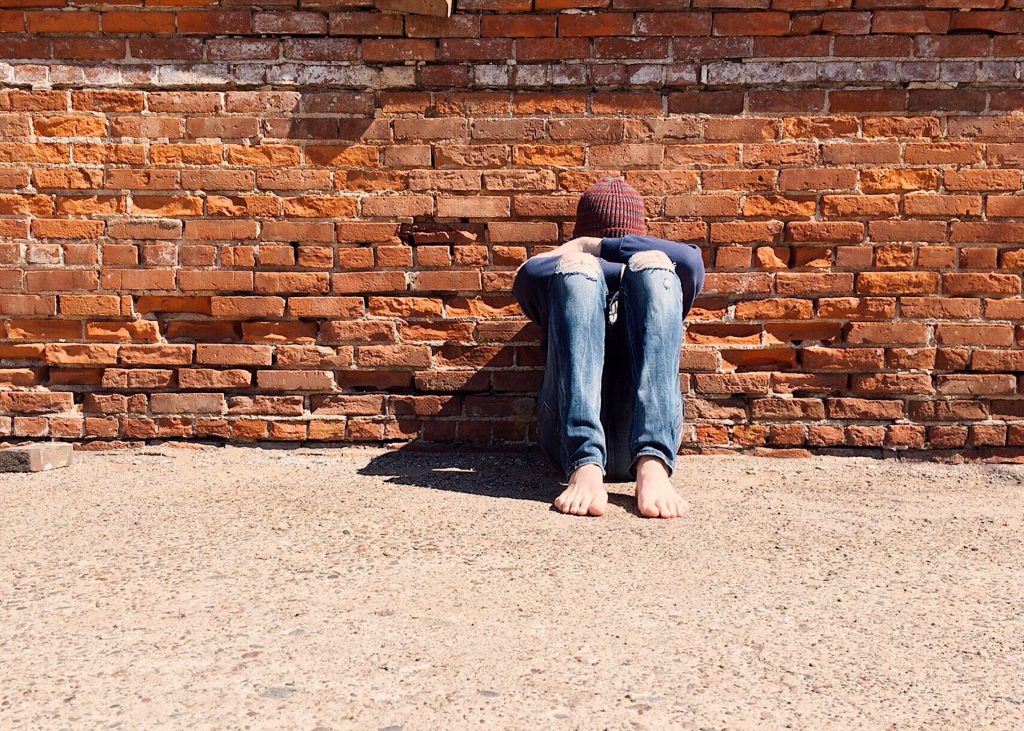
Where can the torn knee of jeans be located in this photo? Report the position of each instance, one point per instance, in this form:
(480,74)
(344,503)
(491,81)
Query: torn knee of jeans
(652,259)
(578,263)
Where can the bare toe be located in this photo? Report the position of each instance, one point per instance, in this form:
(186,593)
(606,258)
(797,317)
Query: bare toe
(585,493)
(655,495)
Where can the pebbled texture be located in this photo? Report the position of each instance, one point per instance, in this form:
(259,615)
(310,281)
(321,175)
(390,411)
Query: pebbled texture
(300,589)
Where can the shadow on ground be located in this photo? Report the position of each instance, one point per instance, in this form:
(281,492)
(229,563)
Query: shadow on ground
(518,475)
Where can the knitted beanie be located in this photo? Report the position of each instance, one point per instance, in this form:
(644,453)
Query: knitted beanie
(609,209)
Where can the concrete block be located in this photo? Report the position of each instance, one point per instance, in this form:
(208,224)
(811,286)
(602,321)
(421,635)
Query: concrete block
(35,457)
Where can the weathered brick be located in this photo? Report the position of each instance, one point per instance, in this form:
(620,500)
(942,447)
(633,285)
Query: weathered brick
(286,380)
(359,225)
(187,403)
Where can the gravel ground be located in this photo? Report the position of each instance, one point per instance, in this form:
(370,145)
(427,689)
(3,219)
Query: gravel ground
(365,589)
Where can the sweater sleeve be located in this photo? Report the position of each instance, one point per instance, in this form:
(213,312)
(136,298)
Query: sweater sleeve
(686,258)
(530,286)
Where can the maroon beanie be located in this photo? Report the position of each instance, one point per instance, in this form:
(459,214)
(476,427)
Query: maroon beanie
(609,209)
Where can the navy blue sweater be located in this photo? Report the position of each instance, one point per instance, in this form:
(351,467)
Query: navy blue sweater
(531,282)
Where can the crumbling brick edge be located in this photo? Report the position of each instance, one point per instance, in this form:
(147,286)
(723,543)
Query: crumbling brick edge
(991,455)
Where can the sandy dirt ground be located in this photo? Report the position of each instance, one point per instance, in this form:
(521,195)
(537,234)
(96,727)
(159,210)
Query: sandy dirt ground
(226,588)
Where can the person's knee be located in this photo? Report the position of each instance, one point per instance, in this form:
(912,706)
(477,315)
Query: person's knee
(652,259)
(652,272)
(689,266)
(579,263)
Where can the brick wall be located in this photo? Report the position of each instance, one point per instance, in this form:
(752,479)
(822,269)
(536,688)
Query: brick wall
(281,223)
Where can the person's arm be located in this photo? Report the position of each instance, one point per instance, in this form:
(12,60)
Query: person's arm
(530,286)
(686,258)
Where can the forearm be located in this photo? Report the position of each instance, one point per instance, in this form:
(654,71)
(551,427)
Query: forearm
(686,258)
(582,244)
(620,249)
(530,285)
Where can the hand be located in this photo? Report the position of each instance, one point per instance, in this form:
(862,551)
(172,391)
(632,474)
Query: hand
(580,244)
(586,244)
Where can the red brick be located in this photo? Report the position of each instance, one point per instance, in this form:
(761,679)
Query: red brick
(345,282)
(365,24)
(117,21)
(751,24)
(518,26)
(995,335)
(589,26)
(813,284)
(50,21)
(291,22)
(446,281)
(278,331)
(966,283)
(892,383)
(155,354)
(947,437)
(543,49)
(376,51)
(887,333)
(906,21)
(976,385)
(76,354)
(187,403)
(286,282)
(751,383)
(997,22)
(212,22)
(285,380)
(123,331)
(897,282)
(249,355)
(940,307)
(842,359)
(393,355)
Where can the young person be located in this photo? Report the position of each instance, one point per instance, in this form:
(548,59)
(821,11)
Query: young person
(611,304)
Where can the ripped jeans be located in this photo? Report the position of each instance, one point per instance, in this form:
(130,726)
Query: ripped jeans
(610,393)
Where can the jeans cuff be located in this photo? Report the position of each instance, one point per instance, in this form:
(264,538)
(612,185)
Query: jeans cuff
(584,461)
(670,463)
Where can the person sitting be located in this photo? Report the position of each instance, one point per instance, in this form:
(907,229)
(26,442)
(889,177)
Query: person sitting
(611,304)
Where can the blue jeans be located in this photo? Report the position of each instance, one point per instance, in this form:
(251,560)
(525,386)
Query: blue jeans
(610,393)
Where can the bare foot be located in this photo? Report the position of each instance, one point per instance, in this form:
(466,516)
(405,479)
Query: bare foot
(655,496)
(585,493)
